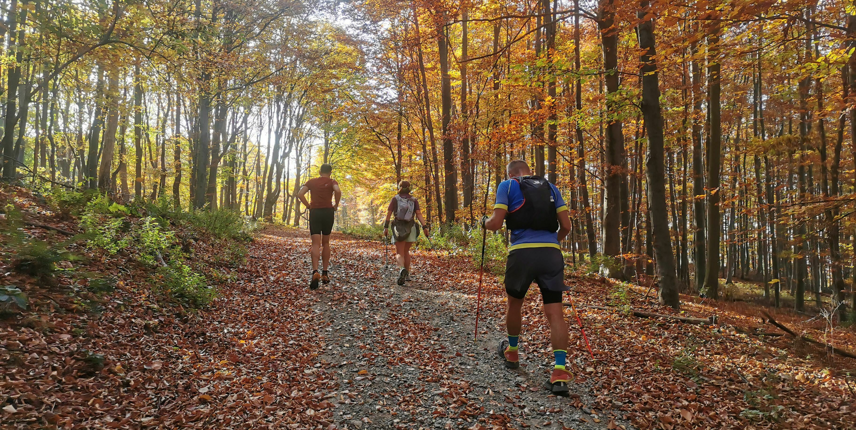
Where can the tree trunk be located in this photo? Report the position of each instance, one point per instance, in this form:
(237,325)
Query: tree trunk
(50,129)
(124,191)
(537,98)
(275,163)
(176,155)
(552,119)
(216,155)
(16,45)
(450,175)
(832,215)
(699,192)
(95,133)
(851,65)
(297,176)
(427,118)
(614,151)
(104,183)
(711,281)
(581,148)
(801,231)
(466,162)
(138,133)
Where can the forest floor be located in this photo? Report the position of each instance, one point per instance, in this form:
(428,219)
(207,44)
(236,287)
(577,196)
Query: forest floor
(362,352)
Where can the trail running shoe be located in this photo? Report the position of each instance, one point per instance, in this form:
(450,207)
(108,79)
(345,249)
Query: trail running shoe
(325,278)
(510,358)
(402,276)
(316,277)
(558,383)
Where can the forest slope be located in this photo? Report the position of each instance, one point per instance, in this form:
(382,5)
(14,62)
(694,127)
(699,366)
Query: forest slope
(362,353)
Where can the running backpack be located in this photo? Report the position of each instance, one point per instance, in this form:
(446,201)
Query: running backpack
(405,208)
(538,211)
(404,212)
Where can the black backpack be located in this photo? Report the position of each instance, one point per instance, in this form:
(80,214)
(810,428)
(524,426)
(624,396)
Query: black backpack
(538,211)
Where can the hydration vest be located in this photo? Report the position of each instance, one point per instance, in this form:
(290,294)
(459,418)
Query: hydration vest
(538,211)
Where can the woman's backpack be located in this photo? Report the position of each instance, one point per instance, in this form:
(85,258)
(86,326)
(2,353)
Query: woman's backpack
(404,213)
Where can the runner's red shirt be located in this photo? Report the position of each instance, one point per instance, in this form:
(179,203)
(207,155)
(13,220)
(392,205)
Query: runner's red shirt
(321,192)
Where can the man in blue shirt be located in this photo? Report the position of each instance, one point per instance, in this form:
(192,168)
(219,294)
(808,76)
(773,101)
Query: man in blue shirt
(534,256)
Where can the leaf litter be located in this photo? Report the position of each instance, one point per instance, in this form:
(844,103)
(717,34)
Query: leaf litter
(364,353)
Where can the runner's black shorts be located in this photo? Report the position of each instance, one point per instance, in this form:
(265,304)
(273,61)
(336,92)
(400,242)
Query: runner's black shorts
(544,266)
(321,221)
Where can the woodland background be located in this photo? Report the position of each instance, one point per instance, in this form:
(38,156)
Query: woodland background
(693,141)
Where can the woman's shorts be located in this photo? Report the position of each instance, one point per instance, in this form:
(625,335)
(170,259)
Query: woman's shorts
(414,234)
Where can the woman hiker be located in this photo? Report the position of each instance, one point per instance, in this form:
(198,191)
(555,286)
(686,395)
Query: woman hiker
(404,228)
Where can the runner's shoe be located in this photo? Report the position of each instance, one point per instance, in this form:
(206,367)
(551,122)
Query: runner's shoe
(558,383)
(325,277)
(510,357)
(316,277)
(402,276)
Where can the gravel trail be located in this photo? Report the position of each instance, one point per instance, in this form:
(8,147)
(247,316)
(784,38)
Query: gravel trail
(404,357)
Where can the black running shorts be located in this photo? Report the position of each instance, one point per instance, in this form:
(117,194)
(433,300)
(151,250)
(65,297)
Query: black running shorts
(544,266)
(321,221)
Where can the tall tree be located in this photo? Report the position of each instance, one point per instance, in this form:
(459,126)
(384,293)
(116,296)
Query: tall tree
(714,152)
(699,210)
(581,148)
(16,48)
(450,175)
(655,162)
(614,150)
(104,178)
(552,118)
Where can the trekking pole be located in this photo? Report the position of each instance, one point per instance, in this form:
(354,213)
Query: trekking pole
(430,243)
(481,277)
(580,322)
(385,252)
(380,249)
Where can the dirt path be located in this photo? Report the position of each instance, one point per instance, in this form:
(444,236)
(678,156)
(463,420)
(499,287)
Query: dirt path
(404,357)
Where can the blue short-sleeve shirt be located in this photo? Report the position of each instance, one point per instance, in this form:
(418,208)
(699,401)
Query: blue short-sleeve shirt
(510,197)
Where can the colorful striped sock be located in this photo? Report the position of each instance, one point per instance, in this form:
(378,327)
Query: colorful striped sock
(512,342)
(560,356)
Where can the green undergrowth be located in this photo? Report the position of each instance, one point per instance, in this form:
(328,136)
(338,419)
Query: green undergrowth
(364,231)
(180,250)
